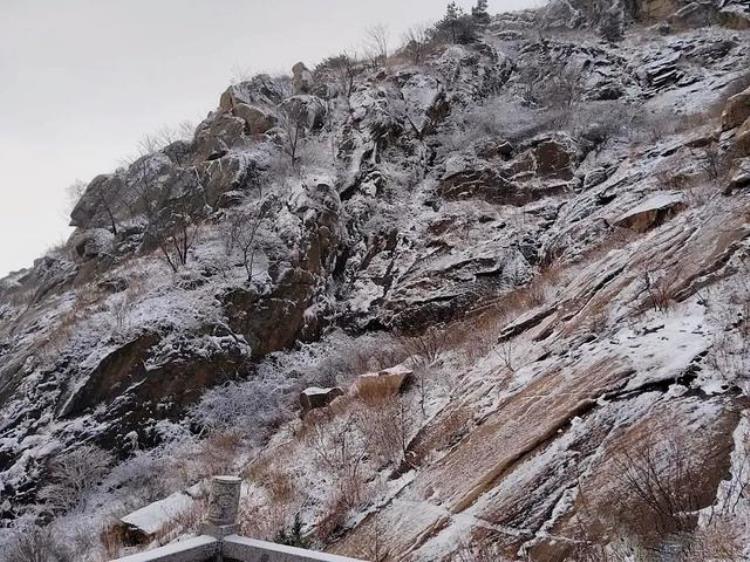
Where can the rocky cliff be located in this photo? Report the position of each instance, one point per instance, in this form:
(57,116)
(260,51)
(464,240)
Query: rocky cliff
(550,230)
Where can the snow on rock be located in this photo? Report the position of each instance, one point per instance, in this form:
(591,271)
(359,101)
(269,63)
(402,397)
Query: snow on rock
(653,211)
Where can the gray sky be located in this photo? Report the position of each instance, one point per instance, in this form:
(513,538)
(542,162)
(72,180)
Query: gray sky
(82,81)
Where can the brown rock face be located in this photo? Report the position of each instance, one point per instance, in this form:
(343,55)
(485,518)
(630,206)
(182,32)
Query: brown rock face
(742,141)
(214,138)
(275,322)
(652,212)
(258,121)
(739,175)
(737,110)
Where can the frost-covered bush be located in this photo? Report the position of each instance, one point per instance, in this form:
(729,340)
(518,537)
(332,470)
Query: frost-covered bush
(249,407)
(73,474)
(35,544)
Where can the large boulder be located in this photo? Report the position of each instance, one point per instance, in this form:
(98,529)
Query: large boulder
(736,110)
(93,243)
(388,382)
(652,212)
(302,80)
(217,135)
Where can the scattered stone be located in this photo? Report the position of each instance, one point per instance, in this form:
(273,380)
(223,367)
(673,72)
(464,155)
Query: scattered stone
(314,398)
(389,381)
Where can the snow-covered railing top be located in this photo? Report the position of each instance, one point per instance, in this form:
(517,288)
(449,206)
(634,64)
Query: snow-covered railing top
(220,541)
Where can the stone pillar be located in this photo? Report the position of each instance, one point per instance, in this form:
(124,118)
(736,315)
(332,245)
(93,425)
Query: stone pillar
(223,507)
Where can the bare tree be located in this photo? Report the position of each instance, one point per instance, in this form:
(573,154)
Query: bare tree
(346,68)
(243,234)
(294,123)
(166,136)
(376,44)
(416,42)
(177,234)
(173,219)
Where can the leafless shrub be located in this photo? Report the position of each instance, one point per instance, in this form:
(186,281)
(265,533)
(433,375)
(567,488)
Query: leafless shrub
(73,474)
(720,540)
(294,123)
(36,544)
(376,45)
(166,136)
(242,235)
(659,290)
(218,453)
(417,42)
(248,407)
(483,550)
(386,427)
(339,450)
(656,491)
(424,349)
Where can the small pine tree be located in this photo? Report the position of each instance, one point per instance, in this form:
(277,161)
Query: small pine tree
(480,13)
(294,536)
(611,25)
(457,25)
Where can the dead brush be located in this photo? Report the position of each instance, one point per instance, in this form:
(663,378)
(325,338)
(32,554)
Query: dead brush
(720,540)
(217,453)
(655,495)
(386,427)
(658,290)
(374,391)
(485,549)
(424,349)
(112,541)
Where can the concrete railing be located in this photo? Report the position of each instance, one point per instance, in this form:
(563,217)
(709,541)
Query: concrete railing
(220,541)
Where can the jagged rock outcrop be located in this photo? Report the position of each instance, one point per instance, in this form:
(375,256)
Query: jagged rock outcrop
(302,79)
(737,110)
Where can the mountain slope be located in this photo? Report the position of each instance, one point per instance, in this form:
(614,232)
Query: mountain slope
(549,229)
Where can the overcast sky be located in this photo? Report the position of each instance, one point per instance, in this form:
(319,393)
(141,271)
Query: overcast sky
(82,81)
